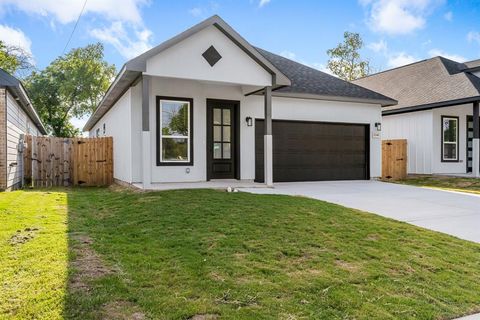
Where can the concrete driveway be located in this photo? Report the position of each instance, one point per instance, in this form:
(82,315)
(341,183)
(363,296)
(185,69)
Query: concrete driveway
(457,214)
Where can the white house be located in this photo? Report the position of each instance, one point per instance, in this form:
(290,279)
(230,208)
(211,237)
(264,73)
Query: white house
(17,118)
(437,112)
(207,105)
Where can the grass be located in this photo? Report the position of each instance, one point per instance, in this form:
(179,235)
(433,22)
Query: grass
(118,254)
(470,185)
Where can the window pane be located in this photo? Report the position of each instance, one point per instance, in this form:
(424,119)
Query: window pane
(470,125)
(217,133)
(174,149)
(226,116)
(470,134)
(217,116)
(226,133)
(174,118)
(449,151)
(217,151)
(226,151)
(449,130)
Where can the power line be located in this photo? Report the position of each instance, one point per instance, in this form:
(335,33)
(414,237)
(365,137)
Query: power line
(75,27)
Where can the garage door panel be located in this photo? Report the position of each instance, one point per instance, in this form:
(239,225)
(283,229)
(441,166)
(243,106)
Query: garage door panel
(313,151)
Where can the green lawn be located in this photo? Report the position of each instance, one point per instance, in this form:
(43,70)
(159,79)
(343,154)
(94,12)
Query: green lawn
(118,254)
(470,185)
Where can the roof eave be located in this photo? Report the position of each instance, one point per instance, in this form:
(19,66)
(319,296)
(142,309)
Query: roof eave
(429,106)
(382,102)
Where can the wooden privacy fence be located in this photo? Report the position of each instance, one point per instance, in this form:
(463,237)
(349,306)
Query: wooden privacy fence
(51,161)
(394,159)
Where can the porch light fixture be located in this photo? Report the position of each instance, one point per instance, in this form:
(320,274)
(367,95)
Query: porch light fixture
(378,125)
(249,121)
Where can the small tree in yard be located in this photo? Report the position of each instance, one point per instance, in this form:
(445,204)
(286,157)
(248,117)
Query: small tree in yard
(345,61)
(71,86)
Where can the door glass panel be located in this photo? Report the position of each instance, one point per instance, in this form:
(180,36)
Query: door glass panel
(226,133)
(470,134)
(226,116)
(226,151)
(217,133)
(470,125)
(217,116)
(217,151)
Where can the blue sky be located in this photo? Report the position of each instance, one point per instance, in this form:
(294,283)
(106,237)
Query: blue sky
(395,32)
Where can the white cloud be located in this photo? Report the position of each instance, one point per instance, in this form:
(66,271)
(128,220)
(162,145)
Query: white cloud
(127,32)
(473,36)
(263,3)
(66,11)
(315,65)
(454,57)
(400,59)
(196,12)
(15,37)
(448,16)
(204,11)
(398,16)
(288,54)
(378,47)
(117,36)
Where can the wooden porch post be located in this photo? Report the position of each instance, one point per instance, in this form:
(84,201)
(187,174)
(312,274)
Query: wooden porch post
(476,141)
(268,138)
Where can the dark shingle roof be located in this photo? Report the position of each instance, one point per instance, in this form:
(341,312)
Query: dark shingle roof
(6,80)
(426,82)
(306,80)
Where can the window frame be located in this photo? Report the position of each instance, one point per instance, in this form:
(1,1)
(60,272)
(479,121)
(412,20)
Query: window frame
(457,142)
(159,136)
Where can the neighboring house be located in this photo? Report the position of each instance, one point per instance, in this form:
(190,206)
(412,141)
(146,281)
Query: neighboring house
(437,99)
(208,105)
(17,117)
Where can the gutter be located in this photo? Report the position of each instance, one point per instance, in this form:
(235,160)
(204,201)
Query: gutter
(430,106)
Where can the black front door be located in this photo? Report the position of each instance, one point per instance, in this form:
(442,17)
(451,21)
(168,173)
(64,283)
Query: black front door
(222,139)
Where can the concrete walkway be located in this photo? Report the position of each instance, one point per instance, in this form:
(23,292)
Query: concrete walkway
(457,214)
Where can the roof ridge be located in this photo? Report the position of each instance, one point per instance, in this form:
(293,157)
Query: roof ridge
(396,68)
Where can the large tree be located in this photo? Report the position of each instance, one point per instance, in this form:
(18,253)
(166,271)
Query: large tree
(14,59)
(71,86)
(345,60)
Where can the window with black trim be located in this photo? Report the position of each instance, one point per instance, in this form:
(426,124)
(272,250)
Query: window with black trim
(174,131)
(449,139)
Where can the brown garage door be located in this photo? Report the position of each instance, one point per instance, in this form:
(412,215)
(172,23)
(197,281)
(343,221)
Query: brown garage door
(314,151)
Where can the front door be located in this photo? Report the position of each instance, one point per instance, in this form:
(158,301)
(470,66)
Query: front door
(222,139)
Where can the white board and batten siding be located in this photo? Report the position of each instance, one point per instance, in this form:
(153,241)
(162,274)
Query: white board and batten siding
(423,131)
(18,122)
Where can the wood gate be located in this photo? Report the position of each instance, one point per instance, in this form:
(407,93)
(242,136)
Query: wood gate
(51,161)
(394,159)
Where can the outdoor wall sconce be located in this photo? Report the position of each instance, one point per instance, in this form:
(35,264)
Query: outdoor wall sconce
(378,125)
(249,121)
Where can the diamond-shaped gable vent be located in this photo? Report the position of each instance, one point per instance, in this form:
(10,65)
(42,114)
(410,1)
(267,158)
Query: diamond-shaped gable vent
(212,56)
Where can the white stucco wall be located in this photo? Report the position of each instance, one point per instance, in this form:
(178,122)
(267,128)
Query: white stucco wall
(423,131)
(17,123)
(118,124)
(283,108)
(184,60)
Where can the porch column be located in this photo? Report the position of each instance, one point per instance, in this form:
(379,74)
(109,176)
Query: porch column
(476,141)
(267,139)
(146,138)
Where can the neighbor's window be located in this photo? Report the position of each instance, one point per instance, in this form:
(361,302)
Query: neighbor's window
(174,131)
(449,139)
